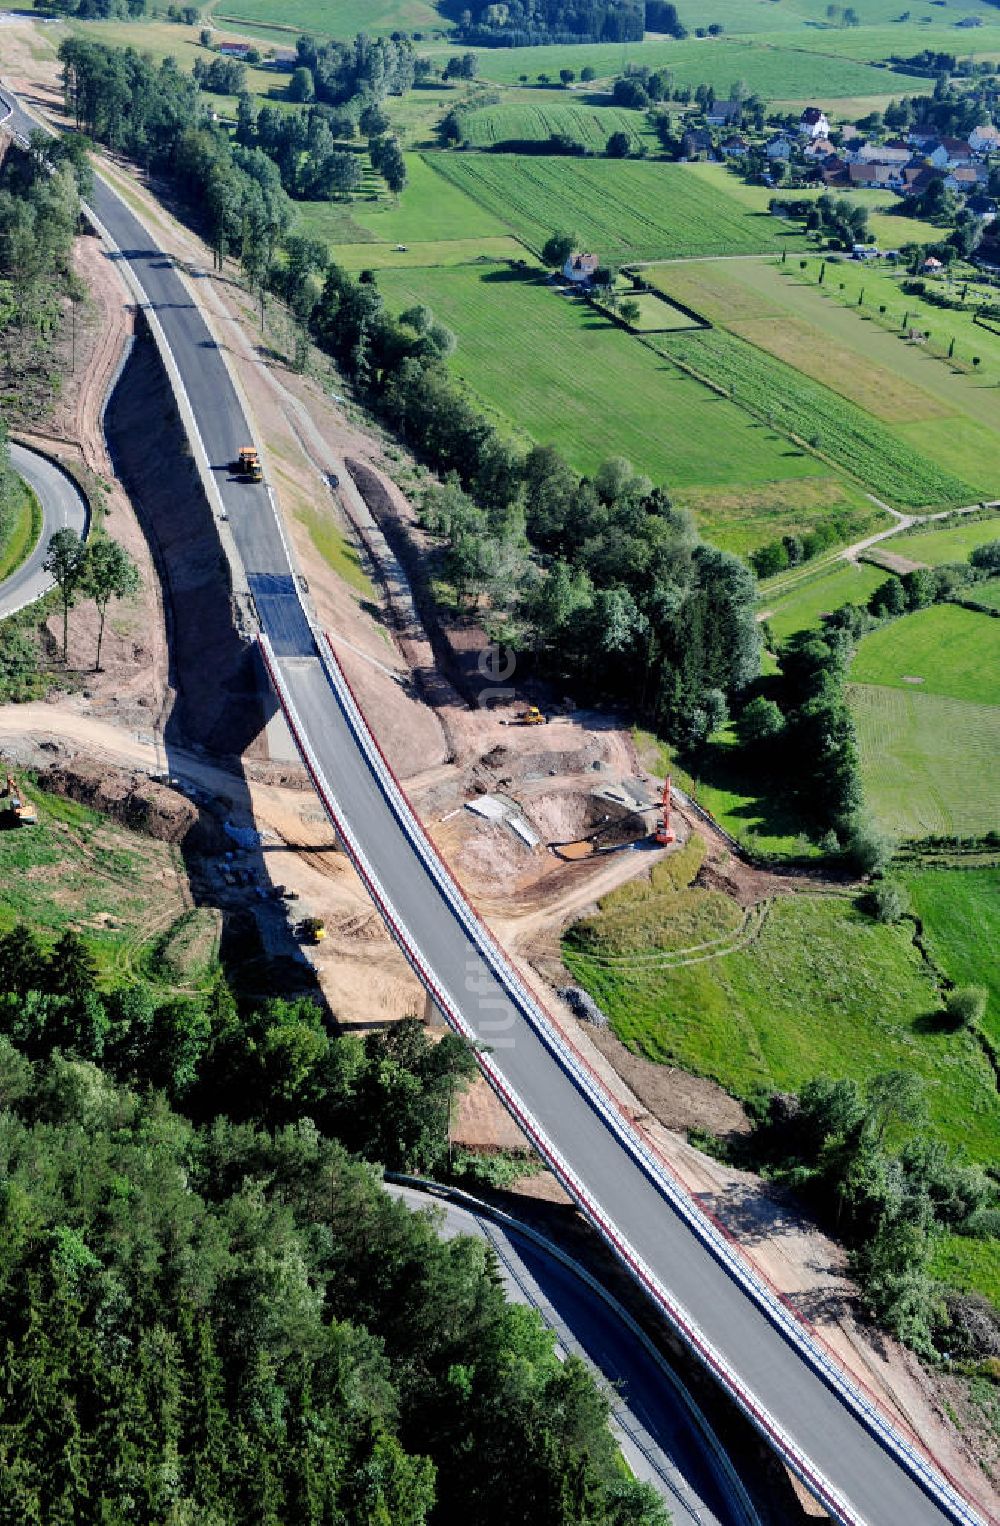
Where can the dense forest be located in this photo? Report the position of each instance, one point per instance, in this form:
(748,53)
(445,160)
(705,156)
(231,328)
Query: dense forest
(520,23)
(210,1311)
(39,208)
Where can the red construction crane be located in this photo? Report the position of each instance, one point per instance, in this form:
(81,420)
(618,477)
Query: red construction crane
(664,831)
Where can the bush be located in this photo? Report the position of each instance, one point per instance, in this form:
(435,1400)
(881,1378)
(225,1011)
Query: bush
(966,1006)
(886,901)
(867,851)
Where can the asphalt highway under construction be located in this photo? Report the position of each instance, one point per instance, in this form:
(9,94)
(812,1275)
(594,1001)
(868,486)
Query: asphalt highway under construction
(835,1438)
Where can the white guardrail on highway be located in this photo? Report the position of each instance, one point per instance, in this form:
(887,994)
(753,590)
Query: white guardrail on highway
(587,1082)
(656,1169)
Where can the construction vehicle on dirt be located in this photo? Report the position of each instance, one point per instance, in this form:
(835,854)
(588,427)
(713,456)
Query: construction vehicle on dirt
(533,717)
(247,465)
(17,811)
(311,930)
(665,833)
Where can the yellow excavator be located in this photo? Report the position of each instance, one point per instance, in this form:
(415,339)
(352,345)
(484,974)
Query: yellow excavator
(21,812)
(311,929)
(247,465)
(533,717)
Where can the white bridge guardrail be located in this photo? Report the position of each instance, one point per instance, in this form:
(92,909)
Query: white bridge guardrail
(485,945)
(729,1255)
(675,1311)
(492,955)
(724,1251)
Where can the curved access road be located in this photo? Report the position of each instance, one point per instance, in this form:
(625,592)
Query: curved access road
(836,1440)
(666,1440)
(62,504)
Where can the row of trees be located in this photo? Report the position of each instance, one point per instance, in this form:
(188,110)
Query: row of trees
(597,579)
(204,1319)
(100,569)
(152,113)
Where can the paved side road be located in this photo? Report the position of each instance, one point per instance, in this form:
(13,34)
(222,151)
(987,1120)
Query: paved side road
(62,504)
(843,1449)
(664,1437)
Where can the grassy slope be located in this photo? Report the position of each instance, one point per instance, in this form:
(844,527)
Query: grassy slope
(953,651)
(802,606)
(824,990)
(960,912)
(575,367)
(26,527)
(590,126)
(631,209)
(845,433)
(949,545)
(334,18)
(76,869)
(771,71)
(931,410)
(928,762)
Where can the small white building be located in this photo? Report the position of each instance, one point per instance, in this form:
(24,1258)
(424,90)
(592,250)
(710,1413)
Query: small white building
(779,148)
(581,268)
(813,123)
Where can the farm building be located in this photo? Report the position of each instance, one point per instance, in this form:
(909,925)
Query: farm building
(581,268)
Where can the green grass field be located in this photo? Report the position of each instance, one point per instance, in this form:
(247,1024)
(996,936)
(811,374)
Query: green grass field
(969,1264)
(928,762)
(332,18)
(574,367)
(770,70)
(925,694)
(960,913)
(25,528)
(822,991)
(623,210)
(811,412)
(801,607)
(937,425)
(77,869)
(436,256)
(947,545)
(987,593)
(590,126)
(941,650)
(167,39)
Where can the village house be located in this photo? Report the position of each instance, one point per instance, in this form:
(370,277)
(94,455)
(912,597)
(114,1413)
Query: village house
(724,113)
(887,175)
(581,268)
(985,140)
(696,142)
(778,148)
(967,178)
(234,49)
(916,180)
(947,153)
(736,147)
(813,123)
(819,148)
(883,153)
